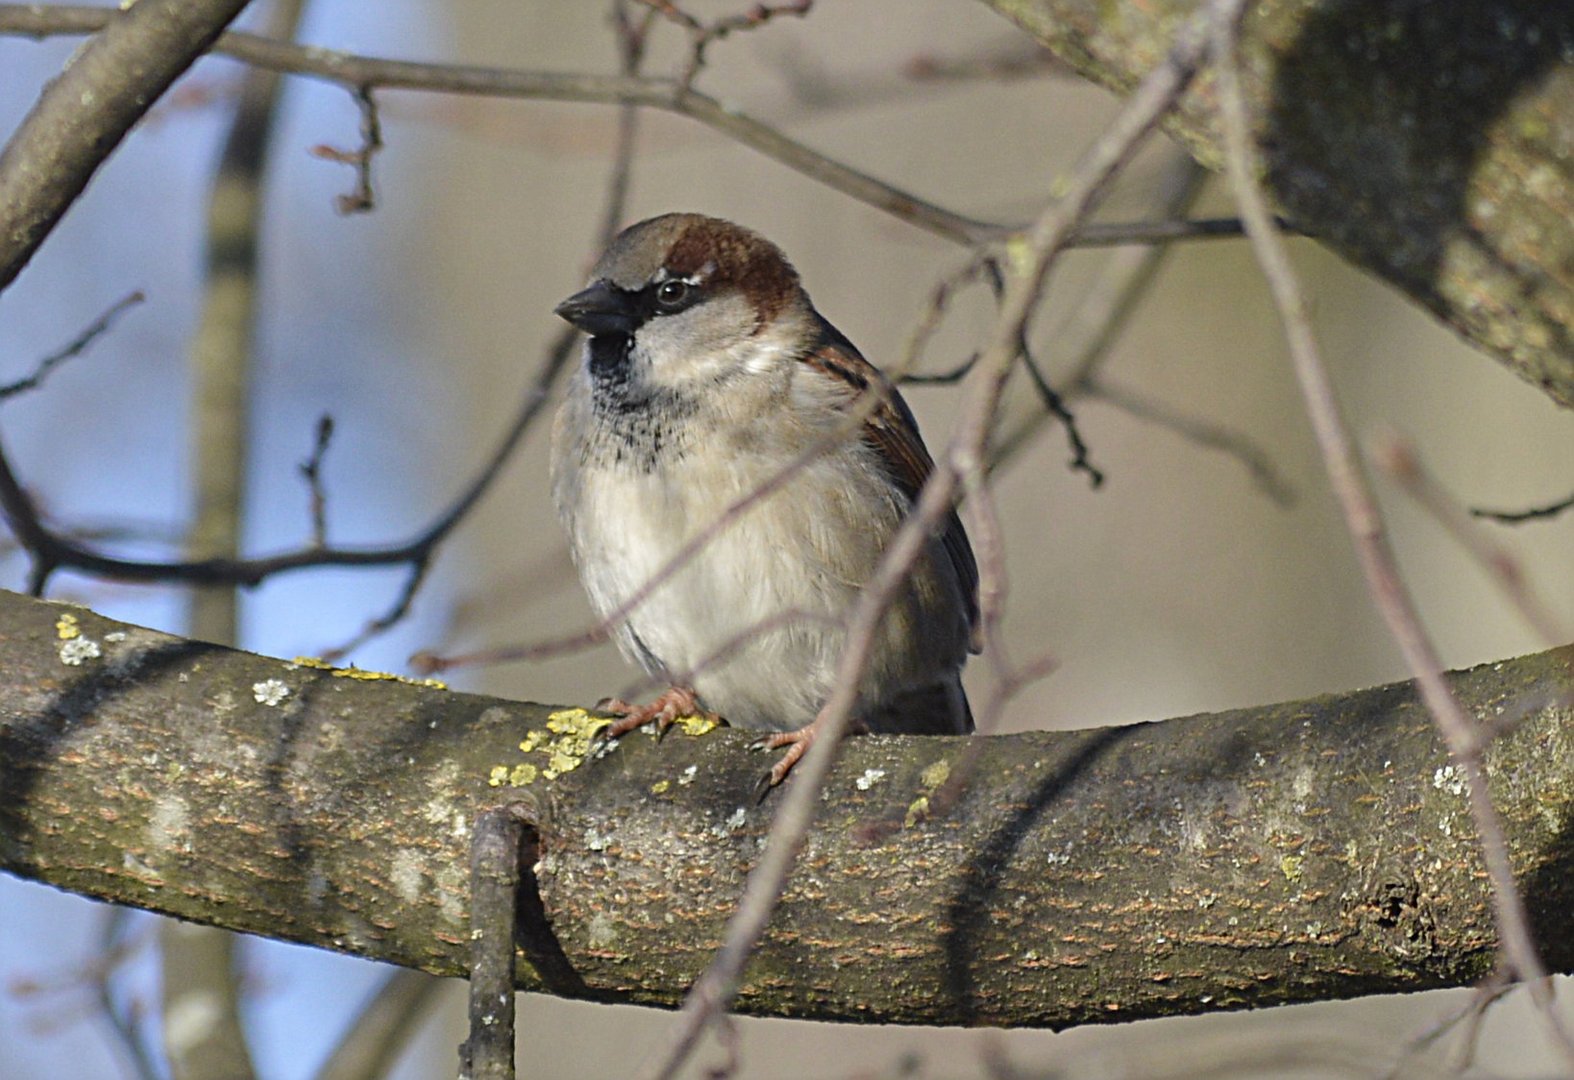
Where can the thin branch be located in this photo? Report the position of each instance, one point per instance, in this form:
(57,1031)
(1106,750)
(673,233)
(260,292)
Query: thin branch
(1399,458)
(730,648)
(1365,524)
(1516,517)
(83,113)
(311,472)
(1054,404)
(702,34)
(363,72)
(414,578)
(52,550)
(1013,59)
(1106,308)
(1167,230)
(1205,433)
(499,844)
(359,73)
(1032,256)
(73,348)
(1468,1019)
(360,199)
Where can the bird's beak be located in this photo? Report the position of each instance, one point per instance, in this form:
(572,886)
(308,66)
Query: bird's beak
(600,309)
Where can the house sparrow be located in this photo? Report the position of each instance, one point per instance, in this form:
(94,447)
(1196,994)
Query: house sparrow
(708,374)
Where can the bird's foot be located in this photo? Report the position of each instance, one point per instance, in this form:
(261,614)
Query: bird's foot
(797,744)
(673,704)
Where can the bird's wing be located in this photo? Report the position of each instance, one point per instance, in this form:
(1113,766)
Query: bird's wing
(893,433)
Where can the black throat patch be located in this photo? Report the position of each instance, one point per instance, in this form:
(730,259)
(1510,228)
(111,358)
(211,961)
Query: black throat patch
(636,426)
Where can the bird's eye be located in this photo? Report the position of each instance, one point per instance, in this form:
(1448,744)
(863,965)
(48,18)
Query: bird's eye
(672,293)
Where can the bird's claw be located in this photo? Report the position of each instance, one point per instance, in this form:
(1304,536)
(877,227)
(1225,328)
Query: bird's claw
(797,744)
(673,704)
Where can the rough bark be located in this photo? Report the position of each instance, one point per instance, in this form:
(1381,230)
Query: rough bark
(1430,143)
(1302,851)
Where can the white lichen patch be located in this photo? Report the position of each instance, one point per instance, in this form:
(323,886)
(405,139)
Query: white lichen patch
(269,692)
(440,810)
(869,779)
(75,650)
(733,824)
(603,931)
(686,777)
(405,874)
(169,826)
(1449,778)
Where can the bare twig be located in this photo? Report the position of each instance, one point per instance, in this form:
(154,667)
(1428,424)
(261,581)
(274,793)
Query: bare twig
(360,199)
(497,844)
(1516,517)
(632,38)
(117,944)
(1365,525)
(1399,458)
(1205,433)
(73,348)
(52,549)
(357,72)
(362,72)
(1031,257)
(1165,230)
(730,648)
(702,34)
(1468,1019)
(311,472)
(1054,404)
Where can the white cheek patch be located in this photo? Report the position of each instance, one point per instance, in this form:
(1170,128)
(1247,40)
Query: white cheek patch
(762,356)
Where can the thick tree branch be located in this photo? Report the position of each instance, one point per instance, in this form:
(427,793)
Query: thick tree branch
(1301,851)
(85,111)
(1428,143)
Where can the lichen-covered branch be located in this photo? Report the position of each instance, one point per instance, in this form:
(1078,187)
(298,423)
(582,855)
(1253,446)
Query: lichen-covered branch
(1312,850)
(1432,144)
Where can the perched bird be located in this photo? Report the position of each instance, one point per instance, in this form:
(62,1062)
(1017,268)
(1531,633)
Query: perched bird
(713,401)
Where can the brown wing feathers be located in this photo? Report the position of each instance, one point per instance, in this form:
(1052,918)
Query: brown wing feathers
(893,433)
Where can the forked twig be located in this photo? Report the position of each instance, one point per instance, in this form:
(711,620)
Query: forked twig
(75,347)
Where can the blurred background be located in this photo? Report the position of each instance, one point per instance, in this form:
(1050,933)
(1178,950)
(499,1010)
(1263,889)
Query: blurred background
(1179,586)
